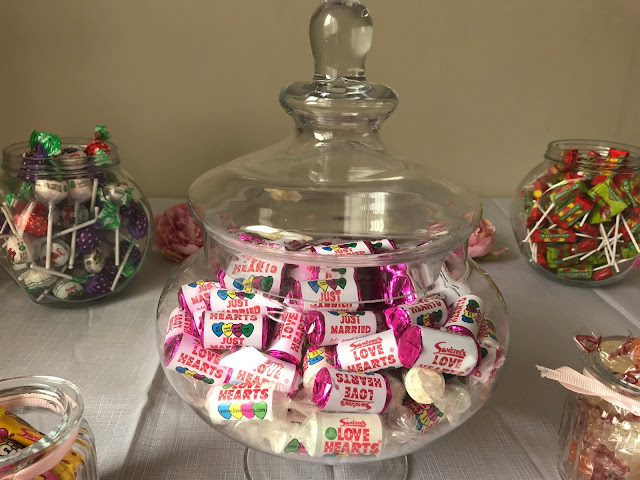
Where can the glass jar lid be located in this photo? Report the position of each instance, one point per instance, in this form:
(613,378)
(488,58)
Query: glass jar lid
(333,181)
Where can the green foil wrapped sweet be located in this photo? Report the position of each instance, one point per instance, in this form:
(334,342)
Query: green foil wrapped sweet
(51,143)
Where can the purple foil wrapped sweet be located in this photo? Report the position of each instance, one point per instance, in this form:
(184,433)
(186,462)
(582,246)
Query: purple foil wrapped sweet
(88,239)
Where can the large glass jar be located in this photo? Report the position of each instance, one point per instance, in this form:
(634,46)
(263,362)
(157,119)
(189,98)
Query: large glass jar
(42,432)
(600,440)
(576,215)
(74,226)
(325,257)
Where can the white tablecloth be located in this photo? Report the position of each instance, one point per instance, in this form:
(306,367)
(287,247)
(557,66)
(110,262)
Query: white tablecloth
(144,430)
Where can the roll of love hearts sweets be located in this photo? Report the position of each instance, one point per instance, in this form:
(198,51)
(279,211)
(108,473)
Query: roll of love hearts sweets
(315,359)
(223,330)
(359,247)
(336,391)
(180,321)
(250,365)
(313,272)
(492,355)
(425,312)
(447,352)
(330,328)
(448,289)
(426,416)
(246,401)
(237,301)
(17,433)
(338,294)
(382,350)
(252,275)
(194,296)
(424,385)
(184,354)
(287,338)
(466,316)
(355,434)
(383,246)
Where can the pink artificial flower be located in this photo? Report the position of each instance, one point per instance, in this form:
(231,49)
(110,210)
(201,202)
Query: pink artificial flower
(178,234)
(481,240)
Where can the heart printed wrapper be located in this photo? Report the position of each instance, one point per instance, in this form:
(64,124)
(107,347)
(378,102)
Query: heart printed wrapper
(252,275)
(246,401)
(339,294)
(184,354)
(331,328)
(249,365)
(194,297)
(353,434)
(224,330)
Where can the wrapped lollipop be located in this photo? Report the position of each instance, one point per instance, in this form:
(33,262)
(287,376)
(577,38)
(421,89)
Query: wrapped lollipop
(114,196)
(50,192)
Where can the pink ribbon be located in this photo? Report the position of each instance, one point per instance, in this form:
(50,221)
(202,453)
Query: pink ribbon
(587,385)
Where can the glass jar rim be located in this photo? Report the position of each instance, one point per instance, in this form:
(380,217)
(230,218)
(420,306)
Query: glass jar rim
(556,150)
(70,406)
(13,155)
(594,365)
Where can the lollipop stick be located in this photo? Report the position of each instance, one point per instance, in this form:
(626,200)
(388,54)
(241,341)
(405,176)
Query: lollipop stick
(633,239)
(49,235)
(124,262)
(74,235)
(535,227)
(77,227)
(93,197)
(51,272)
(117,246)
(41,296)
(4,225)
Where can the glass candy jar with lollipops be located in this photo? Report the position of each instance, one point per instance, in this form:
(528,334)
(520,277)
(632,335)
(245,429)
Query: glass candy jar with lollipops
(576,215)
(326,238)
(64,240)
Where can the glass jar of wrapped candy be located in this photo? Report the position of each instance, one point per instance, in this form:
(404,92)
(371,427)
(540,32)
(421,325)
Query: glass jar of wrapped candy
(73,225)
(332,313)
(600,431)
(42,432)
(576,216)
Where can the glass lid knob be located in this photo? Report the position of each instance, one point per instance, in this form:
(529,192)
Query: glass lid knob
(340,34)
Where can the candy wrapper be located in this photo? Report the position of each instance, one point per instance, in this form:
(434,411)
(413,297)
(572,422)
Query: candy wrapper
(331,328)
(16,434)
(328,434)
(336,391)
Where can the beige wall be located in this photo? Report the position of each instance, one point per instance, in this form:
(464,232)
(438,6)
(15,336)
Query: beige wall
(185,85)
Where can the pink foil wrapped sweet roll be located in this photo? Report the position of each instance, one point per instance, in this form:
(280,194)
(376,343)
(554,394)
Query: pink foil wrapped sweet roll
(448,352)
(185,354)
(382,350)
(181,321)
(342,293)
(224,330)
(248,365)
(426,312)
(466,315)
(336,391)
(360,247)
(331,328)
(239,302)
(315,359)
(246,402)
(252,275)
(287,338)
(352,434)
(194,297)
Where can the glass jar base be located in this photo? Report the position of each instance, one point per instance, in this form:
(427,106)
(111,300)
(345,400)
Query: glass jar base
(261,466)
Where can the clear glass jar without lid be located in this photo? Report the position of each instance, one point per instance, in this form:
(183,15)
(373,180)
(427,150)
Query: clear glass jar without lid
(576,215)
(75,227)
(327,239)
